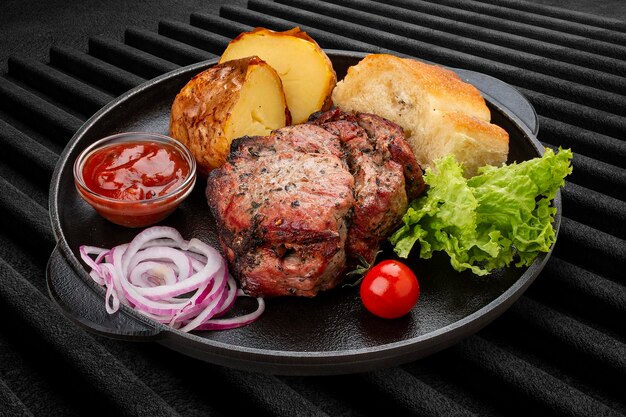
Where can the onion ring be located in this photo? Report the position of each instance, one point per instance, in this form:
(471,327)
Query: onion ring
(184,284)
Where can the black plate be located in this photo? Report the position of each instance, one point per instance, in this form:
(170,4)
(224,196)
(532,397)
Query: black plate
(329,334)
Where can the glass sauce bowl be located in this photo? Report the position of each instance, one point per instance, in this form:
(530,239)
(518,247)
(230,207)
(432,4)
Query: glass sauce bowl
(123,191)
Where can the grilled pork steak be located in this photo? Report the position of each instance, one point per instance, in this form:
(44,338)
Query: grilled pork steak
(282,204)
(386,175)
(295,208)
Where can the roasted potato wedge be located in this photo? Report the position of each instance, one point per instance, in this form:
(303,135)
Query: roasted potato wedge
(229,100)
(306,71)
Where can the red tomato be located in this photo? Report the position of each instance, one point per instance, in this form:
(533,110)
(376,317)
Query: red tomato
(389,289)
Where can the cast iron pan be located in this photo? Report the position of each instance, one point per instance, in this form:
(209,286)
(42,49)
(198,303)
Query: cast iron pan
(329,334)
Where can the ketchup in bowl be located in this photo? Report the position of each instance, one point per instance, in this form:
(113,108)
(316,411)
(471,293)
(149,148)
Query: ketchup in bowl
(135,170)
(135,179)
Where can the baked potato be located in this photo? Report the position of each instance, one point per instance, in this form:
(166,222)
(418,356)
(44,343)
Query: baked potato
(229,100)
(306,71)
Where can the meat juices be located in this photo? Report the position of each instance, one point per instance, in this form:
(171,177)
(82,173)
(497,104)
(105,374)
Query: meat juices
(296,208)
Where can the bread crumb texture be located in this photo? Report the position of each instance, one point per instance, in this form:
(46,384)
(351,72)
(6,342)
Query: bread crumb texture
(439,112)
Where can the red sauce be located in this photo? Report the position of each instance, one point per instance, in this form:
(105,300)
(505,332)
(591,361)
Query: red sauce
(135,171)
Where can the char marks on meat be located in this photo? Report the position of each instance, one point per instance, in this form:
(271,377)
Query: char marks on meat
(385,171)
(296,208)
(282,204)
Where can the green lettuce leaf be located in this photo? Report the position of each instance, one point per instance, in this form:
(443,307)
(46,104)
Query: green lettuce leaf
(501,216)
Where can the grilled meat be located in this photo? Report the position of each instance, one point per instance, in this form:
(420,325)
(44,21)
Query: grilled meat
(282,204)
(385,171)
(294,209)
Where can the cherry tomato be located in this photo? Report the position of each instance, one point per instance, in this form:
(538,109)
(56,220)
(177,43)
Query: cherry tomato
(389,289)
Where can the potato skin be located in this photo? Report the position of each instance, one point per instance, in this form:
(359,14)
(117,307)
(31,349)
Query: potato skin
(281,57)
(201,111)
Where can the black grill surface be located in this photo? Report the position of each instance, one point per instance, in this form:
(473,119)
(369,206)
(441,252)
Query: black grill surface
(560,350)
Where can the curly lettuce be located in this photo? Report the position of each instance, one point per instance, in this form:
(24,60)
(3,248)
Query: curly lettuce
(501,216)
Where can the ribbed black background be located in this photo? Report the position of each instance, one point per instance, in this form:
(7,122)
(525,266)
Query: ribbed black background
(560,350)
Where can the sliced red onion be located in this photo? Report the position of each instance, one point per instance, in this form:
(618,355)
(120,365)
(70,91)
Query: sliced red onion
(182,283)
(164,255)
(85,251)
(230,300)
(231,323)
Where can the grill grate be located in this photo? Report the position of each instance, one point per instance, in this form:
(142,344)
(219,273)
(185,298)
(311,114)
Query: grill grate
(561,349)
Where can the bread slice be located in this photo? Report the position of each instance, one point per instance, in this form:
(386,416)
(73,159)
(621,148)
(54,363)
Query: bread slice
(439,112)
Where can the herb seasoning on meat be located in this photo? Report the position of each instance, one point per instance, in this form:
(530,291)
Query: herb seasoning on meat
(333,189)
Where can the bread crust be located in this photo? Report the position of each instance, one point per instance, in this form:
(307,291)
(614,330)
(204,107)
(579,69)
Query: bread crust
(447,91)
(439,112)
